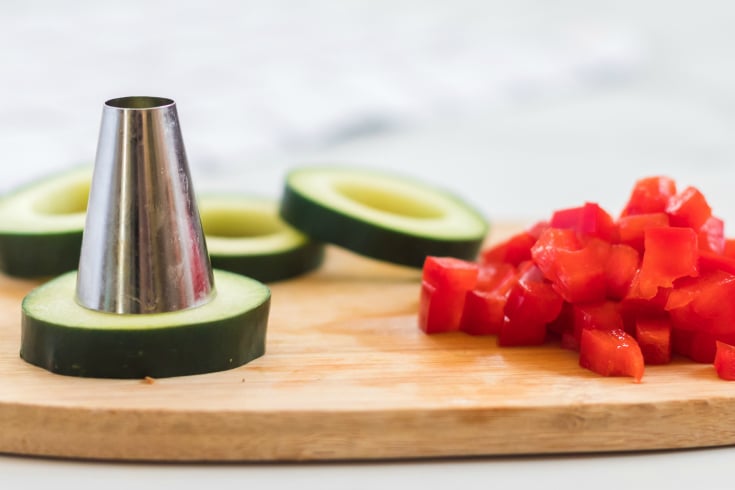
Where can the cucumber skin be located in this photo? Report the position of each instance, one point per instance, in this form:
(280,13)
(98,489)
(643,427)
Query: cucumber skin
(52,254)
(272,267)
(39,255)
(331,226)
(159,353)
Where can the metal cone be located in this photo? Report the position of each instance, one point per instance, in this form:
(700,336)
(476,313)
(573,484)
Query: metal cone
(143,249)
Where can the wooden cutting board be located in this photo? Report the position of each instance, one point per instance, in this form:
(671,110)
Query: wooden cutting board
(348,375)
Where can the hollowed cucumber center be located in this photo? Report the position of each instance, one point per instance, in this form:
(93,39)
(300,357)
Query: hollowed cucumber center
(239,223)
(389,200)
(69,199)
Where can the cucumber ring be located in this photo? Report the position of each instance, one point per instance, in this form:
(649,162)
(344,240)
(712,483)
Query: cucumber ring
(63,337)
(379,215)
(246,235)
(41,225)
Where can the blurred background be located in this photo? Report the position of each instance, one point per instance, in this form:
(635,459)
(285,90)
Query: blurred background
(520,107)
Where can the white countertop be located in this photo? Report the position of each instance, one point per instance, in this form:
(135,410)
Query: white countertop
(521,109)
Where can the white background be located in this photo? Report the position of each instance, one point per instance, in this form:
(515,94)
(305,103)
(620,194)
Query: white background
(520,107)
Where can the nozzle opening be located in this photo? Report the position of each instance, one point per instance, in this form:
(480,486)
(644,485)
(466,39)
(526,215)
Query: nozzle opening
(137,102)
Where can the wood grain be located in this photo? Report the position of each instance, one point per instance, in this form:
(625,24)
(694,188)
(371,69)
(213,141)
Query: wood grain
(348,375)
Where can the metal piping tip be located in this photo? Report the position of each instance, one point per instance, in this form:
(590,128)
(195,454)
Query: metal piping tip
(143,249)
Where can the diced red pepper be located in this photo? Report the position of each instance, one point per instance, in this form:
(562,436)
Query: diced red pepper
(729,248)
(604,315)
(548,244)
(483,307)
(659,280)
(450,272)
(537,228)
(654,338)
(483,312)
(633,308)
(445,283)
(577,273)
(514,250)
(688,208)
(569,341)
(650,195)
(711,261)
(590,220)
(670,253)
(564,322)
(711,235)
(620,269)
(611,353)
(491,276)
(704,304)
(725,361)
(698,346)
(632,228)
(531,304)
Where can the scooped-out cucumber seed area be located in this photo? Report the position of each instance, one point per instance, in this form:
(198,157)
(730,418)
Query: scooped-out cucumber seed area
(236,226)
(394,203)
(60,204)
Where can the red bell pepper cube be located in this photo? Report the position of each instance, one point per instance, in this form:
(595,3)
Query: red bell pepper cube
(621,267)
(564,322)
(590,220)
(611,353)
(633,308)
(577,272)
(547,245)
(654,338)
(514,250)
(724,361)
(631,228)
(729,248)
(483,312)
(491,276)
(705,303)
(698,346)
(670,253)
(577,275)
(711,235)
(531,304)
(711,261)
(450,272)
(603,315)
(688,209)
(650,195)
(569,341)
(445,283)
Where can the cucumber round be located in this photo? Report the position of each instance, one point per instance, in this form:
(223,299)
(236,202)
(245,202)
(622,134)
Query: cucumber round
(379,215)
(41,225)
(63,337)
(245,235)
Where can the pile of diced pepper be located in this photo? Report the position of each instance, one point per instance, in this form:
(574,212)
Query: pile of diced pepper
(625,292)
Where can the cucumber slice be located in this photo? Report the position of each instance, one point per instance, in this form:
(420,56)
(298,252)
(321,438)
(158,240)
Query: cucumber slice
(41,228)
(41,225)
(246,235)
(63,337)
(379,215)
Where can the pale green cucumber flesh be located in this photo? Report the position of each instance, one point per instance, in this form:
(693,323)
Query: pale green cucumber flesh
(246,235)
(41,227)
(379,215)
(61,336)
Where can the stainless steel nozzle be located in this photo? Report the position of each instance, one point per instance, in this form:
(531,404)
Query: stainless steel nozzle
(143,249)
